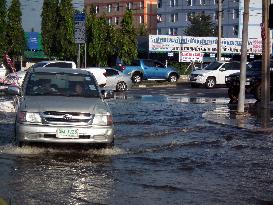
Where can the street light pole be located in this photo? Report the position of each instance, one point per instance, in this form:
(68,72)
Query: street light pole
(265,90)
(241,99)
(220,13)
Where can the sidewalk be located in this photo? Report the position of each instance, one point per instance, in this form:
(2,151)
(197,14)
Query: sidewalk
(254,119)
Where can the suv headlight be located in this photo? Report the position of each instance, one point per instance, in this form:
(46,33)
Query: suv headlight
(103,120)
(32,117)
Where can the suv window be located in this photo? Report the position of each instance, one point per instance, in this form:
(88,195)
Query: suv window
(213,66)
(111,72)
(135,63)
(159,64)
(232,66)
(149,63)
(36,65)
(60,65)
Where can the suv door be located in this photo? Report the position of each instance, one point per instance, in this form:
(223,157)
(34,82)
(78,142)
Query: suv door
(160,70)
(149,69)
(226,70)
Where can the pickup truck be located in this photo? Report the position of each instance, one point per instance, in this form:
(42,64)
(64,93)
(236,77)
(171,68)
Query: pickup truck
(147,69)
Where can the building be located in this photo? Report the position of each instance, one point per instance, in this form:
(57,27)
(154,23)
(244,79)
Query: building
(173,16)
(144,11)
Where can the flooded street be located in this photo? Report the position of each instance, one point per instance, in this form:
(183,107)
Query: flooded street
(166,152)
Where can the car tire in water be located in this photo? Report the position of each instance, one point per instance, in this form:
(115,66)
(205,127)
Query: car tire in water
(210,82)
(233,94)
(136,78)
(172,78)
(121,86)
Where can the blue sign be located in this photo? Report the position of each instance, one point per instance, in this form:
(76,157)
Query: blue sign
(33,40)
(79,17)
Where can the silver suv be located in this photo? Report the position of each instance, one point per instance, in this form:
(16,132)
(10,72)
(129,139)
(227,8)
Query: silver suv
(61,105)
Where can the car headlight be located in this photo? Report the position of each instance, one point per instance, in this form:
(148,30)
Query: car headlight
(32,117)
(103,120)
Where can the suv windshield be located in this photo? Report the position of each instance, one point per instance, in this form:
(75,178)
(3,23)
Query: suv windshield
(213,66)
(61,84)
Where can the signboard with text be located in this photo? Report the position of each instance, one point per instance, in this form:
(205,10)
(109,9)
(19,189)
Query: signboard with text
(166,43)
(191,56)
(79,32)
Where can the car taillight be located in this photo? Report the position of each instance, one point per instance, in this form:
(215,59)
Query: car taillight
(123,67)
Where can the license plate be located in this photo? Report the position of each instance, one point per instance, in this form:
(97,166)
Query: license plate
(67,133)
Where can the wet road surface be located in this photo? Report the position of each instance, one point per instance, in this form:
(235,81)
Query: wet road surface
(165,152)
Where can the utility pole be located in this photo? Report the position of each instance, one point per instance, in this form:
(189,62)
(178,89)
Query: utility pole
(220,13)
(265,90)
(241,99)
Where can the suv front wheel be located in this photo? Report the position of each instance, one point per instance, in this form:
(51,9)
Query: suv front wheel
(211,82)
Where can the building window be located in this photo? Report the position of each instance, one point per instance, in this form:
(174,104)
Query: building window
(203,13)
(141,19)
(235,13)
(174,17)
(159,32)
(129,5)
(159,18)
(97,9)
(116,20)
(216,15)
(172,31)
(189,2)
(235,30)
(109,8)
(141,5)
(202,2)
(173,3)
(159,4)
(109,21)
(117,7)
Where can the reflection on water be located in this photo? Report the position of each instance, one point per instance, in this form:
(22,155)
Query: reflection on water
(255,117)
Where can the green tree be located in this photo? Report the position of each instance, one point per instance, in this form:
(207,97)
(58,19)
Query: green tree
(127,45)
(101,39)
(3,14)
(49,26)
(65,32)
(15,33)
(201,25)
(142,30)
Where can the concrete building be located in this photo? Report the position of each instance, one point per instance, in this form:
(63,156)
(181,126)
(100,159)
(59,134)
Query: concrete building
(173,16)
(144,11)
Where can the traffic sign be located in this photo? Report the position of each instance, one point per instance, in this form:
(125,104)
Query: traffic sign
(79,32)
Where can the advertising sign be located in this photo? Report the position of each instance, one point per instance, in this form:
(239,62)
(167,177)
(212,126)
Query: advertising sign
(79,32)
(185,56)
(165,43)
(33,40)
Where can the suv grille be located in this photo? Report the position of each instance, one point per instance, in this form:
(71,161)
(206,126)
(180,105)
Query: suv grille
(54,117)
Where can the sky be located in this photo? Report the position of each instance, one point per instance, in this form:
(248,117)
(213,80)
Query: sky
(31,13)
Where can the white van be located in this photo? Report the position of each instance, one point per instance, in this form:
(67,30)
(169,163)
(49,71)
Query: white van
(214,74)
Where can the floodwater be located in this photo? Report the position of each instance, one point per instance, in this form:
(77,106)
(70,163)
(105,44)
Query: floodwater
(167,151)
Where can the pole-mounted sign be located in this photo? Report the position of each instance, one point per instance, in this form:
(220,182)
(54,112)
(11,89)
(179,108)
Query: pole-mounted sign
(79,32)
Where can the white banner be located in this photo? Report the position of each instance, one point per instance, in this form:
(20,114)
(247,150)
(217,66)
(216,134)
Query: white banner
(165,43)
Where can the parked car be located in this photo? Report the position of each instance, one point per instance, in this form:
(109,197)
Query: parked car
(116,80)
(148,69)
(213,74)
(99,73)
(50,110)
(55,63)
(253,81)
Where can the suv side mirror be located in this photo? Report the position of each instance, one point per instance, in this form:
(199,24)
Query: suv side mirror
(107,94)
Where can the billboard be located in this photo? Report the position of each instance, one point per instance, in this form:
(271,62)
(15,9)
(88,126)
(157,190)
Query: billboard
(166,43)
(34,40)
